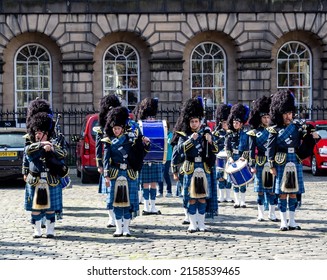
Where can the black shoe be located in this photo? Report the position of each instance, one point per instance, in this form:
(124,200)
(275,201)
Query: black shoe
(191,230)
(50,236)
(274,220)
(185,222)
(294,228)
(260,219)
(237,206)
(283,229)
(110,225)
(117,235)
(243,206)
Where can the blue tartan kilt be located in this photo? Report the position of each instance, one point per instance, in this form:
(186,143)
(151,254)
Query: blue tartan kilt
(291,157)
(102,185)
(55,198)
(187,183)
(258,183)
(133,193)
(151,173)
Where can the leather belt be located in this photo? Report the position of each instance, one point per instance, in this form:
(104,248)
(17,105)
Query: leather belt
(122,166)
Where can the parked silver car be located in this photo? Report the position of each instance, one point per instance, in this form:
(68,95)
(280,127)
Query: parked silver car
(11,152)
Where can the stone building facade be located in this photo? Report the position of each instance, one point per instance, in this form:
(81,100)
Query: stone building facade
(250,36)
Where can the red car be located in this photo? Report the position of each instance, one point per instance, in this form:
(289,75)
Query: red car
(318,160)
(85,150)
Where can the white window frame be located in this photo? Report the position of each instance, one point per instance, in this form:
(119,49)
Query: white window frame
(122,50)
(31,93)
(204,90)
(296,57)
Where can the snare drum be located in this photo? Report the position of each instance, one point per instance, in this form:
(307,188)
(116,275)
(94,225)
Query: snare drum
(239,172)
(156,130)
(221,159)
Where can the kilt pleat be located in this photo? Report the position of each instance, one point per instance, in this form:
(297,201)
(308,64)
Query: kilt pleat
(151,173)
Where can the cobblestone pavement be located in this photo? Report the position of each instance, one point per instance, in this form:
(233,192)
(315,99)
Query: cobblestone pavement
(234,235)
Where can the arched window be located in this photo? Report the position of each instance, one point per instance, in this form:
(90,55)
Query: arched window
(32,76)
(121,73)
(294,72)
(208,74)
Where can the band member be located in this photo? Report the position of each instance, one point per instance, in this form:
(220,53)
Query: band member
(199,151)
(122,159)
(219,134)
(40,105)
(177,160)
(151,173)
(259,121)
(284,152)
(107,102)
(43,191)
(237,145)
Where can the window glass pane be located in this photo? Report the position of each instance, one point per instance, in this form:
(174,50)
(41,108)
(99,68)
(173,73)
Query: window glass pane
(208,73)
(32,75)
(121,73)
(294,71)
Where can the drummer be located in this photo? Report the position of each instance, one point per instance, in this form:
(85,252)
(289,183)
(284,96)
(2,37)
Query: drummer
(151,173)
(199,150)
(224,187)
(263,181)
(237,146)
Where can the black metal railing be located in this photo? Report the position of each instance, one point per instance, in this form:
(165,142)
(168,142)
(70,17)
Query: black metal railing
(71,122)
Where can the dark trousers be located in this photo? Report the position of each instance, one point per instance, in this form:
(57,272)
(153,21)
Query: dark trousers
(166,177)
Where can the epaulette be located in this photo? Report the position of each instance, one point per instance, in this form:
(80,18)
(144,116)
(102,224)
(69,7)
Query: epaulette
(26,136)
(215,133)
(106,139)
(251,132)
(181,133)
(97,129)
(271,129)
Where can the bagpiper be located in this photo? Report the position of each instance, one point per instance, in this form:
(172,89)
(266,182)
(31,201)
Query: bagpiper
(122,160)
(43,191)
(285,151)
(259,121)
(200,152)
(107,103)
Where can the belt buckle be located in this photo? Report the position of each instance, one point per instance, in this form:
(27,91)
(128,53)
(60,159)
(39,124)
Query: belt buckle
(290,150)
(235,151)
(43,175)
(123,166)
(197,159)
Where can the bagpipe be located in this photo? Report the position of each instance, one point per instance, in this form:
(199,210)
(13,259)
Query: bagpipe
(58,167)
(208,157)
(308,142)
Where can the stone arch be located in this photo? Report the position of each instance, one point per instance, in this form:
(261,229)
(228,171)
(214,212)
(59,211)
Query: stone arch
(230,50)
(8,69)
(144,56)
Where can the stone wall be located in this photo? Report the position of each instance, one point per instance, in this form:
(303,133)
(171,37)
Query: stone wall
(164,41)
